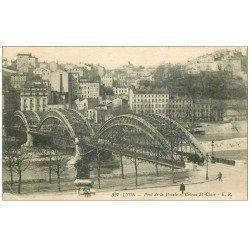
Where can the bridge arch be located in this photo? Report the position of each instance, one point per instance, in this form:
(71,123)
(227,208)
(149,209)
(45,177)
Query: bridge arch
(166,134)
(133,122)
(164,122)
(58,116)
(74,122)
(28,118)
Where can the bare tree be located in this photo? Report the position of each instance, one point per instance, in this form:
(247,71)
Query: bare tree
(48,152)
(21,162)
(136,162)
(59,166)
(8,157)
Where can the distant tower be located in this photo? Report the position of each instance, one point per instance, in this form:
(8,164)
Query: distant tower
(61,83)
(70,89)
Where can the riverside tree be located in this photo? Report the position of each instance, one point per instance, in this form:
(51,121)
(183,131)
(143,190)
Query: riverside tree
(20,162)
(16,159)
(8,157)
(59,166)
(48,152)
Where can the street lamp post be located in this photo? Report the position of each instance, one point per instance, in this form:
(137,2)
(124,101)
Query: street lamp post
(207,167)
(212,151)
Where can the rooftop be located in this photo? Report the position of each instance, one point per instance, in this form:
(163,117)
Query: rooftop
(159,91)
(35,85)
(24,54)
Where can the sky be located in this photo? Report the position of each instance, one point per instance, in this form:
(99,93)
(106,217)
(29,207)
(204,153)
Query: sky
(114,57)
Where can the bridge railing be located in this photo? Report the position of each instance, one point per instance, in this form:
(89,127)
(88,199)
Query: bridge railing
(144,156)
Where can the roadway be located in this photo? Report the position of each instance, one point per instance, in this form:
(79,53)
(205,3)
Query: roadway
(232,187)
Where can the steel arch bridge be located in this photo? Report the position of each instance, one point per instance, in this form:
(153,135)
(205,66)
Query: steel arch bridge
(176,133)
(63,123)
(24,120)
(66,124)
(148,137)
(152,137)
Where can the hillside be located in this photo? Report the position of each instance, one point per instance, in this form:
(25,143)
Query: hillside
(221,85)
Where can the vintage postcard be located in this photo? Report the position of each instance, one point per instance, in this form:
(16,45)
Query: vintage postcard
(124,123)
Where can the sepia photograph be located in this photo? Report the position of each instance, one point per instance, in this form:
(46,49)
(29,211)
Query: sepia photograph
(124,123)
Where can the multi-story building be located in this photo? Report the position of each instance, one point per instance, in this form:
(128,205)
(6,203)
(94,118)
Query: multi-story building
(107,80)
(17,81)
(156,103)
(180,108)
(55,106)
(224,60)
(201,110)
(26,62)
(86,104)
(76,70)
(88,90)
(73,87)
(121,90)
(34,97)
(99,114)
(117,102)
(43,73)
(233,114)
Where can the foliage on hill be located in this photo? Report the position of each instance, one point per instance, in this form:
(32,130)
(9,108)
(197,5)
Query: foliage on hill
(106,90)
(219,85)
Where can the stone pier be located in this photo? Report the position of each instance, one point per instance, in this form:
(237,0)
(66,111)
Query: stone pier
(84,184)
(30,140)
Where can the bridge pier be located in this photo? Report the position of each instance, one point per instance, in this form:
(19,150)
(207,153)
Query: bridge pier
(30,140)
(83,182)
(78,154)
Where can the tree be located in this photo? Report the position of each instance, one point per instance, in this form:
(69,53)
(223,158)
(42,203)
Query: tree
(121,110)
(244,64)
(48,152)
(59,166)
(20,160)
(196,159)
(9,146)
(37,78)
(144,83)
(106,90)
(160,73)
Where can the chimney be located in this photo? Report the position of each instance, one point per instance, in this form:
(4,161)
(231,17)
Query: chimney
(61,83)
(70,89)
